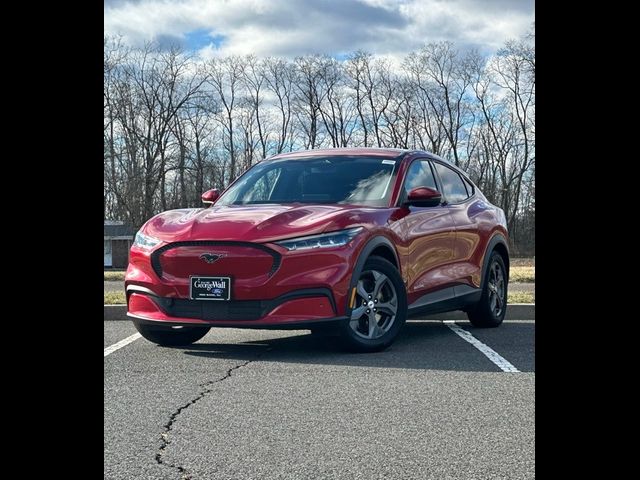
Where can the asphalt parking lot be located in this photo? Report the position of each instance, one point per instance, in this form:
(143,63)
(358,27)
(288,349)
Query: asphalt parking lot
(255,404)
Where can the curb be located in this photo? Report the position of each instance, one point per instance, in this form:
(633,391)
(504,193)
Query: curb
(515,311)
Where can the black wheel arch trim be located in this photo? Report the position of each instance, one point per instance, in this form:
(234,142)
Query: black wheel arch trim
(497,238)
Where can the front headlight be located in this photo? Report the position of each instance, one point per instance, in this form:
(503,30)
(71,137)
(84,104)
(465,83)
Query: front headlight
(324,240)
(145,241)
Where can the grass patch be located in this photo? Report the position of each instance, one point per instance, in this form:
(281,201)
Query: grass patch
(114,298)
(521,297)
(113,276)
(522,261)
(522,274)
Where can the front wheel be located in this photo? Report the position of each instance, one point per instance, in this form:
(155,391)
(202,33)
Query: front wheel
(492,307)
(380,308)
(170,337)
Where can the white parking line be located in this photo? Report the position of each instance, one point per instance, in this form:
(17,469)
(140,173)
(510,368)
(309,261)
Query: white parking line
(122,343)
(490,353)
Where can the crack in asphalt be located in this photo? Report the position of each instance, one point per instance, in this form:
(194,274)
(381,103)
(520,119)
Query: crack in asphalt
(208,388)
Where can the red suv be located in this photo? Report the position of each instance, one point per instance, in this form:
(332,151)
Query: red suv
(349,239)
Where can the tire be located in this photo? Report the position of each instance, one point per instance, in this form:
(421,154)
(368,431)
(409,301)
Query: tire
(490,310)
(378,284)
(169,337)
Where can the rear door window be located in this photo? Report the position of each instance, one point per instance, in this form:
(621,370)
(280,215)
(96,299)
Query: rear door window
(452,184)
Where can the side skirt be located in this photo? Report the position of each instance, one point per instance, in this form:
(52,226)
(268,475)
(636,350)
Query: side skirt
(445,300)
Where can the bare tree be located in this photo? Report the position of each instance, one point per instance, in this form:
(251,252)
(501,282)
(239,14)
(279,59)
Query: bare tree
(225,77)
(337,110)
(255,79)
(447,79)
(310,91)
(356,66)
(395,123)
(175,125)
(428,127)
(280,78)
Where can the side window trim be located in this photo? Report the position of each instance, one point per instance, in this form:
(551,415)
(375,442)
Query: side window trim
(468,184)
(436,179)
(444,202)
(465,186)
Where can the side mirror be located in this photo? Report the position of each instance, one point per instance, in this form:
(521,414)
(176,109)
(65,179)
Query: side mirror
(210,196)
(424,197)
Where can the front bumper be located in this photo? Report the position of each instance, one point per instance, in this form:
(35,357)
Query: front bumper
(278,289)
(304,307)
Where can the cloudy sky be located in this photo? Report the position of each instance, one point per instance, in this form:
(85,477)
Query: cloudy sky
(335,27)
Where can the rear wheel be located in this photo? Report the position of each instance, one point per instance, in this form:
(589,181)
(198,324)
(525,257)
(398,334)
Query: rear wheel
(492,307)
(171,337)
(380,308)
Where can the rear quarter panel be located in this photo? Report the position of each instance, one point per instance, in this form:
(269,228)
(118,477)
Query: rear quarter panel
(477,222)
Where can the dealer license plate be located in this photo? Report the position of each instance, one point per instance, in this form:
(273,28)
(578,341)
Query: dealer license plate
(210,288)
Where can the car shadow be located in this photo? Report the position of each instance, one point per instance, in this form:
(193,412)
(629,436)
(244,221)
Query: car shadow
(422,344)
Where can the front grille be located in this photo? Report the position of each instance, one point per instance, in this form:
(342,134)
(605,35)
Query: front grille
(156,255)
(214,310)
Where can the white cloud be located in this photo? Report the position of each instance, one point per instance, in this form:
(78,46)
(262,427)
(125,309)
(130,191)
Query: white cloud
(295,27)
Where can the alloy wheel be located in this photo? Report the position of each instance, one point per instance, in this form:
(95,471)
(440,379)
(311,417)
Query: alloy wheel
(375,307)
(496,289)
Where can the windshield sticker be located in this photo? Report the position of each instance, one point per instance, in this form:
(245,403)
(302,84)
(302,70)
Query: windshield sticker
(388,162)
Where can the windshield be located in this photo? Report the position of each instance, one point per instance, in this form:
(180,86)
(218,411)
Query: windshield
(350,180)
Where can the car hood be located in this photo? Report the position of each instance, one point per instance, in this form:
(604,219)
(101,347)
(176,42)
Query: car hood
(256,223)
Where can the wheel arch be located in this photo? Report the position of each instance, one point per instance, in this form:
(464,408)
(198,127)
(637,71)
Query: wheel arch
(499,244)
(379,246)
(387,252)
